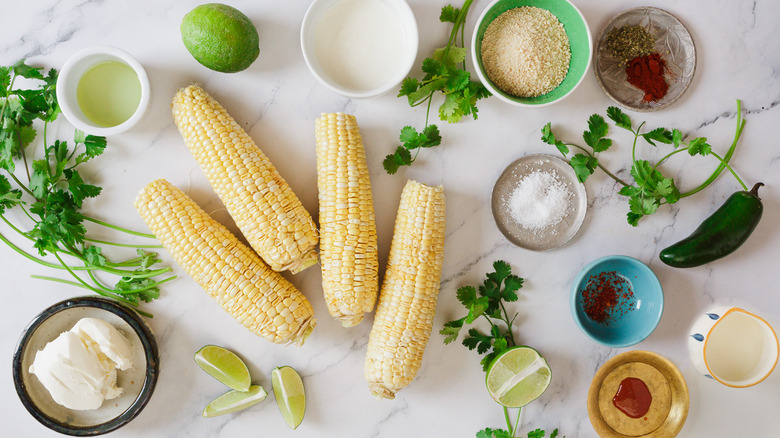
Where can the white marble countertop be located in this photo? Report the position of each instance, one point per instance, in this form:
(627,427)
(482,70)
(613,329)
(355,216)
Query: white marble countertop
(276,100)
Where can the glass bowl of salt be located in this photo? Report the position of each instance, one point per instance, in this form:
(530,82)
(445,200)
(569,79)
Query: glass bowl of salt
(538,203)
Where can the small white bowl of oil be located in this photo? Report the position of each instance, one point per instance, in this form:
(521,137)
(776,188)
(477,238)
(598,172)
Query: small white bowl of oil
(359,48)
(103,90)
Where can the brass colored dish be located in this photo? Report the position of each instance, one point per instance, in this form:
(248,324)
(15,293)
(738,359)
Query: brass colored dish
(669,406)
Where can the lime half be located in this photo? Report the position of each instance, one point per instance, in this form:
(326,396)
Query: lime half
(233,401)
(288,390)
(517,377)
(225,366)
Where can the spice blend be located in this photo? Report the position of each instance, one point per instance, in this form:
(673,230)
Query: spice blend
(607,296)
(629,42)
(634,46)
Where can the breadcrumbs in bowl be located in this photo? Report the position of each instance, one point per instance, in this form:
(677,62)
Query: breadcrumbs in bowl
(525,52)
(531,52)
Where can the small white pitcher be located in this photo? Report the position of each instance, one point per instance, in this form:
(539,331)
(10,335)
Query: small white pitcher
(733,346)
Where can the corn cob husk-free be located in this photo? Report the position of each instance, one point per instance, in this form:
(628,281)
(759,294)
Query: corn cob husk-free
(407,300)
(259,298)
(259,200)
(348,245)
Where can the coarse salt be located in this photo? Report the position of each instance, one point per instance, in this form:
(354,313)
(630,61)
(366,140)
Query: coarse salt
(539,201)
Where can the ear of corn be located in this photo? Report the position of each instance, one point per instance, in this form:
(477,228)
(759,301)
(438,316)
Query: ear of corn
(407,301)
(259,298)
(348,245)
(259,200)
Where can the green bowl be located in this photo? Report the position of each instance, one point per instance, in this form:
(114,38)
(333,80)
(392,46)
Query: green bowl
(579,39)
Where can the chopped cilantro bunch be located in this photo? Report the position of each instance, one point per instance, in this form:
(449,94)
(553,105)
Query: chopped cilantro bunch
(445,72)
(51,199)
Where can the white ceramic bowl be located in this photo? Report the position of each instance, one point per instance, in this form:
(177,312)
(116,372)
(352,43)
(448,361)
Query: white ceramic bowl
(68,80)
(315,13)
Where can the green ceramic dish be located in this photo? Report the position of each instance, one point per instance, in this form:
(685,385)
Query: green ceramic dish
(579,39)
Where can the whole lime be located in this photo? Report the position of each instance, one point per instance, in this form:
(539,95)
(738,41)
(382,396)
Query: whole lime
(220,37)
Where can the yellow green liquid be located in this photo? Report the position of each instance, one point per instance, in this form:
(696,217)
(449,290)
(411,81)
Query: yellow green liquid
(109,93)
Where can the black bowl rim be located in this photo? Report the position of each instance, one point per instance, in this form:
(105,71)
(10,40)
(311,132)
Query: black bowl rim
(151,352)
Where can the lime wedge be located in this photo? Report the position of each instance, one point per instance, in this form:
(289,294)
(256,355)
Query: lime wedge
(225,366)
(233,401)
(517,377)
(288,390)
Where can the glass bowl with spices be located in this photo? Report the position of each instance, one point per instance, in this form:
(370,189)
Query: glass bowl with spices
(531,52)
(617,301)
(645,59)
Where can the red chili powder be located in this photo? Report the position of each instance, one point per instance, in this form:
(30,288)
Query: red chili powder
(647,74)
(606,296)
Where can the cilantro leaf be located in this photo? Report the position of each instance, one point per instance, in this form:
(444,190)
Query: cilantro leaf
(93,147)
(449,14)
(699,146)
(549,138)
(26,71)
(676,138)
(538,433)
(584,166)
(408,86)
(401,157)
(594,136)
(493,433)
(9,197)
(451,330)
(94,256)
(661,135)
(78,189)
(620,118)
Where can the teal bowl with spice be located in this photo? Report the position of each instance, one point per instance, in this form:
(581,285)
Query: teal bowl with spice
(617,301)
(580,43)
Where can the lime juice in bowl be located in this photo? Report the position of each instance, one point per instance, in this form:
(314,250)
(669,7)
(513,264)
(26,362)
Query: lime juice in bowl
(103,90)
(108,93)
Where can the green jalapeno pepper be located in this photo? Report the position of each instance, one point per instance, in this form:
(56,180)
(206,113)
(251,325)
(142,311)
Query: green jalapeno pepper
(720,234)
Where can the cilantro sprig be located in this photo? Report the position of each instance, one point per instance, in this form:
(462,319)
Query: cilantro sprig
(50,201)
(489,302)
(445,73)
(651,188)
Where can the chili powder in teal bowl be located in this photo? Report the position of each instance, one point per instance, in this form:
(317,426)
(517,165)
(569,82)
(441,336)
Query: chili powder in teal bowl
(617,301)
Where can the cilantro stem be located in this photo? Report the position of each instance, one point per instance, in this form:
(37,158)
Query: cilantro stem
(508,421)
(636,137)
(517,422)
(611,175)
(19,183)
(118,228)
(124,245)
(726,158)
(132,305)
